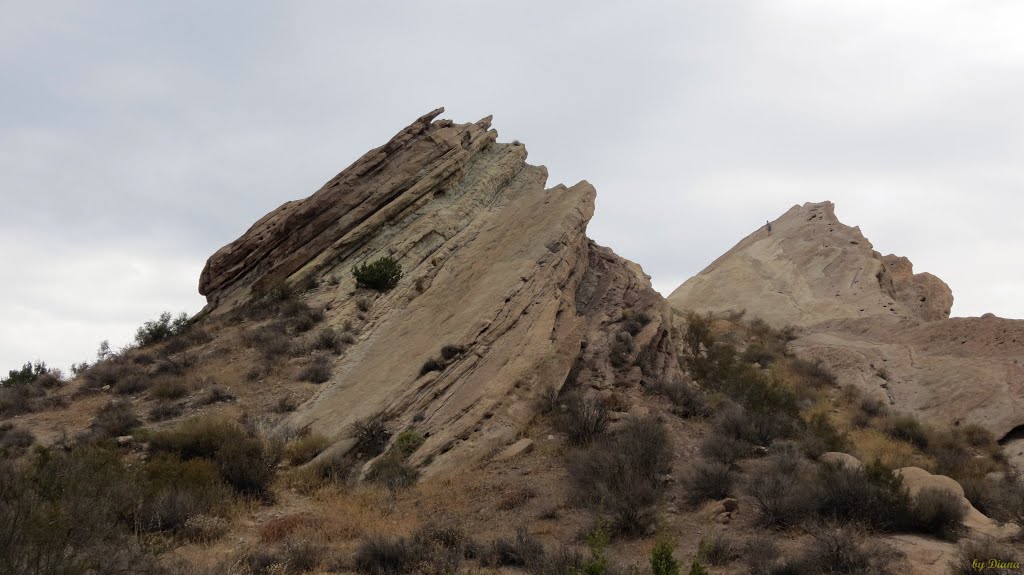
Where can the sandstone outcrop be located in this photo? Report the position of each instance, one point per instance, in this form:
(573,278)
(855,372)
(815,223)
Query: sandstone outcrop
(496,267)
(870,318)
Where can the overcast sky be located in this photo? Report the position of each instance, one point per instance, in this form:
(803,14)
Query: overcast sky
(136,138)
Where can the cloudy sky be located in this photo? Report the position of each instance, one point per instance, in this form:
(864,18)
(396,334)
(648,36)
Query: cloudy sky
(136,138)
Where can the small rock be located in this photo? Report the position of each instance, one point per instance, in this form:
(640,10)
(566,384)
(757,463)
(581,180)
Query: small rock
(551,437)
(105,388)
(124,440)
(667,478)
(516,449)
(723,518)
(617,415)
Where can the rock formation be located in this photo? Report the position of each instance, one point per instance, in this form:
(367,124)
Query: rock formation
(877,324)
(495,266)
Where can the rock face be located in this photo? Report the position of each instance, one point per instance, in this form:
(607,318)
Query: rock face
(875,323)
(495,265)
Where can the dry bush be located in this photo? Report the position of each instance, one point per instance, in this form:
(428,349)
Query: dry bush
(820,436)
(244,462)
(318,370)
(708,480)
(14,440)
(131,384)
(835,550)
(281,528)
(328,340)
(938,512)
(393,472)
(622,475)
(762,556)
(724,449)
(385,555)
(906,428)
(523,550)
(371,434)
(430,365)
(717,549)
(450,352)
(582,420)
(215,394)
(169,388)
(516,498)
(163,410)
(687,400)
(987,553)
(785,490)
(113,419)
(304,449)
(286,404)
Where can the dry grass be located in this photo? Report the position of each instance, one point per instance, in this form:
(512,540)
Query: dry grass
(872,445)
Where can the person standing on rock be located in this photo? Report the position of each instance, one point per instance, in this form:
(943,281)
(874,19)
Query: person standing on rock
(768,226)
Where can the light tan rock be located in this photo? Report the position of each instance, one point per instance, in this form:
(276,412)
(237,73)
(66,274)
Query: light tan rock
(493,262)
(524,445)
(842,459)
(867,316)
(915,479)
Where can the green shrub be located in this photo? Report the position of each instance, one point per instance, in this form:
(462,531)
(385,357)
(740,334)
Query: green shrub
(662,562)
(381,275)
(27,374)
(408,442)
(160,329)
(697,568)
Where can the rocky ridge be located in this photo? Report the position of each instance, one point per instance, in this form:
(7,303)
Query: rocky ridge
(871,319)
(496,267)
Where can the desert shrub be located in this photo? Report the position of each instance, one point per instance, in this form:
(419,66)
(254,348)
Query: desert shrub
(69,512)
(842,550)
(162,410)
(281,528)
(175,491)
(583,420)
(723,449)
(697,568)
(717,549)
(871,407)
(813,373)
(762,557)
(385,555)
(906,428)
(318,370)
(243,461)
(515,498)
(662,562)
(687,400)
(988,554)
(215,394)
(937,511)
(547,401)
(328,340)
(784,490)
(621,349)
(302,555)
(698,337)
(381,275)
(305,449)
(14,440)
(371,434)
(113,419)
(430,365)
(155,331)
(131,384)
(820,436)
(286,404)
(408,442)
(621,475)
(873,496)
(759,354)
(18,399)
(523,550)
(1004,499)
(450,352)
(393,472)
(708,480)
(169,388)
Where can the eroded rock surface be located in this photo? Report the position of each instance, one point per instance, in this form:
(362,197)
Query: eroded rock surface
(876,323)
(496,266)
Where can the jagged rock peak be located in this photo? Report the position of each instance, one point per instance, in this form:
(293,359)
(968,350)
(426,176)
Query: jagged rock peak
(810,267)
(420,161)
(503,296)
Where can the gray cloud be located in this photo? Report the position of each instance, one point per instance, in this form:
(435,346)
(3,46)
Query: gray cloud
(137,138)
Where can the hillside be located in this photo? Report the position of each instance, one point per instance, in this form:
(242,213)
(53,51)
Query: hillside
(426,366)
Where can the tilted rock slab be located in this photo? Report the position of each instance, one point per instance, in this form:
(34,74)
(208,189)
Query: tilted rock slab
(493,262)
(873,321)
